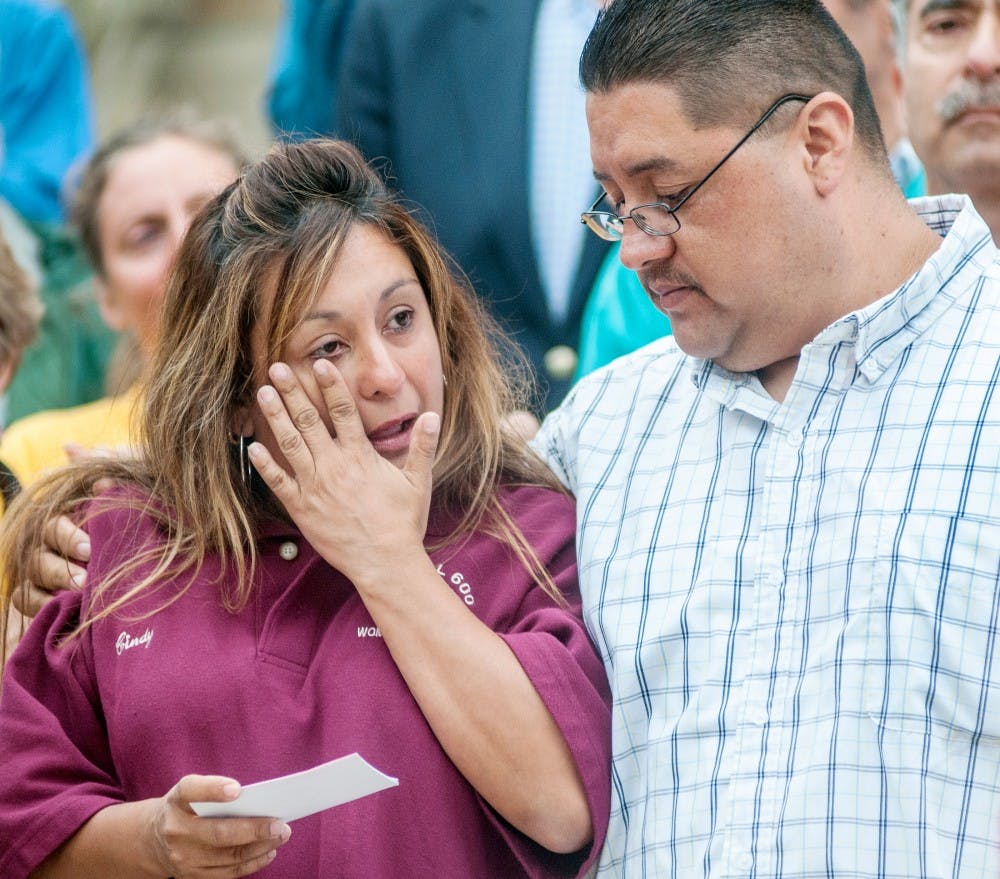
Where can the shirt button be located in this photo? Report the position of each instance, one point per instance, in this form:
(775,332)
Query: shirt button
(870,369)
(288,550)
(794,439)
(744,863)
(560,362)
(771,579)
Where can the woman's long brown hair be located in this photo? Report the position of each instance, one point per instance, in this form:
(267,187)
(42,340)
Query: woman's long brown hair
(285,217)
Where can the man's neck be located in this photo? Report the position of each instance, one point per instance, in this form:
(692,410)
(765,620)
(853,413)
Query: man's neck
(881,260)
(777,378)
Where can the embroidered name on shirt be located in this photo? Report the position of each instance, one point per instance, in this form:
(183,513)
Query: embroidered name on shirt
(126,642)
(461,586)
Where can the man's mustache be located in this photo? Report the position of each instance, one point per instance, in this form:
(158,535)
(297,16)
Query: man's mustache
(969,96)
(662,276)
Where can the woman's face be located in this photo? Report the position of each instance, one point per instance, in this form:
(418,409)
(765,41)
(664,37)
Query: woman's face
(151,194)
(372,321)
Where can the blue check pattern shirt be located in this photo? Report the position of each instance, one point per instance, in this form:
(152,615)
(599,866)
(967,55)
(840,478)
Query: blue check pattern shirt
(797,603)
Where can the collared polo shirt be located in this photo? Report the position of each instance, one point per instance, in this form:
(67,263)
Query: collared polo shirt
(297,677)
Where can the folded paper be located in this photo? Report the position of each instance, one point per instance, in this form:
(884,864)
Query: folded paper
(303,793)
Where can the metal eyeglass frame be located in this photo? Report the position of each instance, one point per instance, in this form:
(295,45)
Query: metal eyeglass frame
(611,226)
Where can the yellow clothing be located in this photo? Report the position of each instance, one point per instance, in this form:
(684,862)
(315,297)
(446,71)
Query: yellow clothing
(34,444)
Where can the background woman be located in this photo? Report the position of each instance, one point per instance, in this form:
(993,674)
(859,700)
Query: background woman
(133,203)
(394,575)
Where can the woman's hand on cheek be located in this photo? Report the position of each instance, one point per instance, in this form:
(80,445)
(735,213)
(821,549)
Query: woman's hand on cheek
(364,515)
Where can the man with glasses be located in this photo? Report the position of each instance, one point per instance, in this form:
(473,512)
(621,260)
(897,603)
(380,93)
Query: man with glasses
(789,538)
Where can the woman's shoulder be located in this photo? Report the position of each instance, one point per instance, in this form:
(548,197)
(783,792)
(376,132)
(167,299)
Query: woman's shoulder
(121,520)
(518,497)
(545,517)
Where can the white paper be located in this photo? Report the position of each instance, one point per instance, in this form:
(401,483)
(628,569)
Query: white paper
(303,793)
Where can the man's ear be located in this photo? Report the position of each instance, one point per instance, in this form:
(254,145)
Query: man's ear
(826,129)
(108,308)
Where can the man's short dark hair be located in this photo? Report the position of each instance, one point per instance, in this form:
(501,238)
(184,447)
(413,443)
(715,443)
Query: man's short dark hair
(729,59)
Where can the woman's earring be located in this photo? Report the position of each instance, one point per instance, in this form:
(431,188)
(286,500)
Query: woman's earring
(246,468)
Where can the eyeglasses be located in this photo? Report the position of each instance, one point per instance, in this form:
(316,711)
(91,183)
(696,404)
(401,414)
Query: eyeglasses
(657,218)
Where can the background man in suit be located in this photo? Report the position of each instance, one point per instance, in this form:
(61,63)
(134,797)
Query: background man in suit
(476,109)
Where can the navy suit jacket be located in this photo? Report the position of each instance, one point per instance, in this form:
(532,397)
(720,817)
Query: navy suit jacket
(438,90)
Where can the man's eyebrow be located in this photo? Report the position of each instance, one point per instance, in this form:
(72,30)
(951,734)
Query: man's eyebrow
(932,6)
(658,163)
(385,294)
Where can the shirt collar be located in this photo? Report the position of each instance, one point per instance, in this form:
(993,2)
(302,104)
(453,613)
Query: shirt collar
(885,328)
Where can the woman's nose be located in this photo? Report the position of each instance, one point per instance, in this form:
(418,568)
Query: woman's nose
(379,373)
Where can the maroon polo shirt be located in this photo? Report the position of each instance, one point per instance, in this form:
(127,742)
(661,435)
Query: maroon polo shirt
(298,677)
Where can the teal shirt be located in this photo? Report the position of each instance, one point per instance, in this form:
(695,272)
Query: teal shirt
(65,365)
(618,317)
(908,170)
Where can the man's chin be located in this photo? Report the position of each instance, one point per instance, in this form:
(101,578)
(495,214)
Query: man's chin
(694,345)
(711,349)
(974,159)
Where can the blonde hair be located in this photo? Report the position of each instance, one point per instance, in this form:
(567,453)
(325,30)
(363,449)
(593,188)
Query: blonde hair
(287,215)
(20,308)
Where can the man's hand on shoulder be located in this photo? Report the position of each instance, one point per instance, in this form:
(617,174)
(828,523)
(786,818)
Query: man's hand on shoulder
(59,566)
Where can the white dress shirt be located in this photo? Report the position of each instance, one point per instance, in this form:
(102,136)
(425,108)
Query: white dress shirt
(797,603)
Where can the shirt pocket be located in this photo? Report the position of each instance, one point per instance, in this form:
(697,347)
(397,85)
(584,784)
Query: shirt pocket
(932,667)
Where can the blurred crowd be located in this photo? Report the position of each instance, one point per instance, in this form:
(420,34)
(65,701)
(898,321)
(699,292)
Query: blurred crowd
(474,113)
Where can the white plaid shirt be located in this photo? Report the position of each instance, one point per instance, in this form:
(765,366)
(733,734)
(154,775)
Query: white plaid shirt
(797,603)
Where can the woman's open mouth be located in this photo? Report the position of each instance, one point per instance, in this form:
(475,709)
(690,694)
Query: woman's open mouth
(393,436)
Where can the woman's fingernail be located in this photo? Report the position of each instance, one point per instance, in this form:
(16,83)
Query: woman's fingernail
(280,371)
(280,830)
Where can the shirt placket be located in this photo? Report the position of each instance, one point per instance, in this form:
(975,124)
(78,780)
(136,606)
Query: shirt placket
(764,735)
(755,793)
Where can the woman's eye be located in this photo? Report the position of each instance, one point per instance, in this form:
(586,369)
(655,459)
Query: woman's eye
(942,24)
(331,348)
(141,235)
(401,320)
